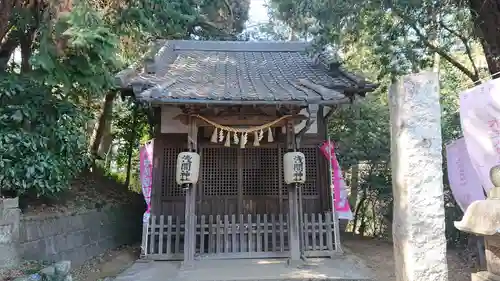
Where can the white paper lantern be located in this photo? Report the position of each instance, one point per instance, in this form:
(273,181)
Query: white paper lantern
(188,168)
(294,166)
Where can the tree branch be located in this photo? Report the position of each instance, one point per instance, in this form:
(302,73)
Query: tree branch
(8,47)
(465,41)
(434,48)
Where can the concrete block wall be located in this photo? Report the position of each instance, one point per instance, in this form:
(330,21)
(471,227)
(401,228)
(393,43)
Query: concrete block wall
(9,232)
(78,237)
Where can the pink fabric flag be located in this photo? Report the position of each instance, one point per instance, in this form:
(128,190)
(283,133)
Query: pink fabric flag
(146,175)
(464,182)
(480,119)
(339,191)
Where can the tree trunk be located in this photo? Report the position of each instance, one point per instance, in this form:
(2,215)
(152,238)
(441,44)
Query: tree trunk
(486,15)
(353,198)
(131,144)
(104,118)
(357,212)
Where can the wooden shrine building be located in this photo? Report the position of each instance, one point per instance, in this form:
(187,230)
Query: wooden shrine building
(240,106)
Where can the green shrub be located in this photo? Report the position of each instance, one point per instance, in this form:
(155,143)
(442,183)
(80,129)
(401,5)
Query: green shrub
(42,138)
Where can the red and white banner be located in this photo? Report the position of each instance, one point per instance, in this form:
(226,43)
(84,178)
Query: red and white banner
(339,192)
(146,175)
(480,119)
(462,176)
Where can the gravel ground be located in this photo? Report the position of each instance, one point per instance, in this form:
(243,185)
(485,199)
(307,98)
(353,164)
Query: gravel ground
(378,256)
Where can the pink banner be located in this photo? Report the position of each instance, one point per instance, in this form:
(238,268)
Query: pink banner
(480,119)
(339,191)
(462,176)
(146,175)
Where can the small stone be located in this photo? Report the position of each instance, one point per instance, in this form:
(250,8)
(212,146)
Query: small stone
(68,278)
(62,268)
(48,273)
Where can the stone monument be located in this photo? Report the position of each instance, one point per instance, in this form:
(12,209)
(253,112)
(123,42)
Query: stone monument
(418,228)
(482,218)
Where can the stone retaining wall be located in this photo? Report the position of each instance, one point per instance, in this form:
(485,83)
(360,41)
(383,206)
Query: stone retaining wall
(78,237)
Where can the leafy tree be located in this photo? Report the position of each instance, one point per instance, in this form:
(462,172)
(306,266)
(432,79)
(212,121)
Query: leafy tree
(57,99)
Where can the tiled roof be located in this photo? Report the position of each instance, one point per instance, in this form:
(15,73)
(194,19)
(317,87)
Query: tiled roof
(236,71)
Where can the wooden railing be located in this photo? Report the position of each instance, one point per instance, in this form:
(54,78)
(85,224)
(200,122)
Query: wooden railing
(237,236)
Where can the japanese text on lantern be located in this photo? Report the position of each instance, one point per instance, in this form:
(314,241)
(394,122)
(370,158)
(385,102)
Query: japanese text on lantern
(186,163)
(494,133)
(298,168)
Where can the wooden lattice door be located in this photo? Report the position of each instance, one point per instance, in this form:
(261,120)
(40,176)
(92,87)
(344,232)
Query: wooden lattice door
(262,181)
(241,181)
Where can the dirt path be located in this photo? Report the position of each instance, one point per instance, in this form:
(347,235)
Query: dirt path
(109,264)
(378,256)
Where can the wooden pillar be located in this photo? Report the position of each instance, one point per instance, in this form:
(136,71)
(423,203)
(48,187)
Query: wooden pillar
(190,218)
(417,179)
(293,228)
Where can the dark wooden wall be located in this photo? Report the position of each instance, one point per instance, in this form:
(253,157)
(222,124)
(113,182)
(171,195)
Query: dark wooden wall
(235,180)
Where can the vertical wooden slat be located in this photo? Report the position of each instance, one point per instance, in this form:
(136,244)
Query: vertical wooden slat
(314,231)
(211,247)
(234,227)
(306,232)
(250,233)
(287,229)
(266,233)
(177,247)
(169,235)
(239,164)
(329,231)
(161,230)
(197,232)
(280,180)
(242,234)
(282,233)
(145,237)
(320,231)
(226,234)
(258,232)
(202,234)
(218,238)
(274,233)
(152,238)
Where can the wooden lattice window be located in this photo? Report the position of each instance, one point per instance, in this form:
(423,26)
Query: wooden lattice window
(261,171)
(169,186)
(310,187)
(219,171)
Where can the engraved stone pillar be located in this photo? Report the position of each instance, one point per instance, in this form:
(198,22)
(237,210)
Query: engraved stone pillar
(416,159)
(9,232)
(483,218)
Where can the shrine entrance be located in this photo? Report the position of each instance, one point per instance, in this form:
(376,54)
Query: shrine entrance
(242,206)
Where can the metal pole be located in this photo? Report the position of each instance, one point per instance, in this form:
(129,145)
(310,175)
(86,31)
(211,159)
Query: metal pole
(336,227)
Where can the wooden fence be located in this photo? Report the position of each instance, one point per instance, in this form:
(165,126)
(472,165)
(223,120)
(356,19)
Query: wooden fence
(232,236)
